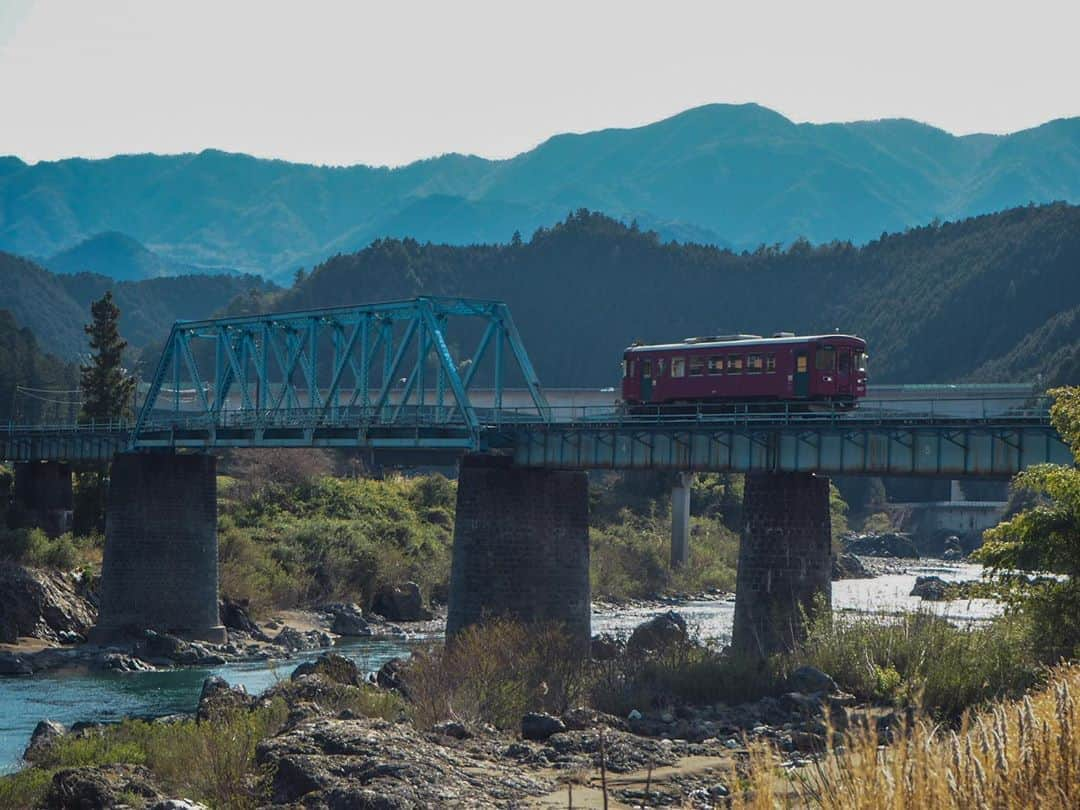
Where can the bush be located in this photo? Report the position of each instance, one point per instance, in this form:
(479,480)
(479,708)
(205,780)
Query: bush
(212,762)
(34,548)
(495,673)
(921,658)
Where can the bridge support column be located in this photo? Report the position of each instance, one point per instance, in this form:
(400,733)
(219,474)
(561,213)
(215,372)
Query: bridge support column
(785,559)
(43,497)
(521,546)
(160,569)
(680,519)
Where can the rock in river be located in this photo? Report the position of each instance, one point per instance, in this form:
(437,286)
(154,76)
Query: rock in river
(401,603)
(932,589)
(658,632)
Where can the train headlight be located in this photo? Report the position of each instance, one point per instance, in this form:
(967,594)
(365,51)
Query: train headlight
(826,378)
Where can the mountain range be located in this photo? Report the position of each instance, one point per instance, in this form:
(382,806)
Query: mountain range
(727,175)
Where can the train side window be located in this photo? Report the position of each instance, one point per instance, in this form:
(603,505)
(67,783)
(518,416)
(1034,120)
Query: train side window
(770,363)
(716,365)
(754,364)
(624,368)
(734,364)
(800,364)
(825,359)
(646,369)
(660,368)
(678,366)
(697,366)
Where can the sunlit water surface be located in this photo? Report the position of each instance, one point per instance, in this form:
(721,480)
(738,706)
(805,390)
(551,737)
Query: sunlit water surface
(69,698)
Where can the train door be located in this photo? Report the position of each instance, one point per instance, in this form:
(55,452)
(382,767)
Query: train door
(646,380)
(843,372)
(802,374)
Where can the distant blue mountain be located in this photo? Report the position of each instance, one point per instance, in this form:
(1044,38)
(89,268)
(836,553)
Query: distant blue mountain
(735,175)
(119,257)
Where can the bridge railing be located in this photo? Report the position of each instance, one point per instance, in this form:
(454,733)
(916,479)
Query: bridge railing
(1031,410)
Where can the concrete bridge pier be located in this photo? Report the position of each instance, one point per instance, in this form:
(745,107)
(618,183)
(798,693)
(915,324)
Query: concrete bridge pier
(160,569)
(43,497)
(680,519)
(785,560)
(521,546)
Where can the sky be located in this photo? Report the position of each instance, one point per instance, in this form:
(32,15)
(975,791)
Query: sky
(386,83)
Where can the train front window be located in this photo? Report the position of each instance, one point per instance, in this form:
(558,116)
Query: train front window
(825,359)
(860,361)
(843,362)
(624,368)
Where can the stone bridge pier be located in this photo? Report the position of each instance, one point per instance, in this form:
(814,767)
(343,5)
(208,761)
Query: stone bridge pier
(521,546)
(160,569)
(785,560)
(42,497)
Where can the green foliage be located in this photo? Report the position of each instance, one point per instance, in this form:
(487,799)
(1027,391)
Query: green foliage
(212,762)
(28,375)
(919,657)
(34,548)
(1046,536)
(496,672)
(329,538)
(106,385)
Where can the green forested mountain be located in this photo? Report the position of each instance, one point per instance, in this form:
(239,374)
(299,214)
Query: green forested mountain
(117,256)
(34,386)
(992,298)
(738,175)
(55,307)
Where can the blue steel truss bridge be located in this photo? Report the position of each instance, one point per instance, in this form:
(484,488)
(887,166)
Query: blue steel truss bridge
(426,380)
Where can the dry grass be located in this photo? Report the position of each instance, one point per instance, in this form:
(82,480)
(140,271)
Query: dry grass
(1018,754)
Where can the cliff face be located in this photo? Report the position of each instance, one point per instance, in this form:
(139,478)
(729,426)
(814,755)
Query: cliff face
(42,604)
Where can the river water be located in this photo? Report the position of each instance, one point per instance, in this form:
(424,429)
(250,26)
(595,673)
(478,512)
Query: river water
(69,698)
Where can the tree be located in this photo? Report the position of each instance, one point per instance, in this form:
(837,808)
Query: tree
(1046,537)
(106,385)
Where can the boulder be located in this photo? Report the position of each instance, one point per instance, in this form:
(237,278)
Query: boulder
(218,698)
(41,604)
(889,544)
(658,632)
(99,788)
(349,620)
(295,640)
(234,615)
(810,680)
(952,554)
(400,603)
(45,734)
(452,728)
(331,666)
(120,662)
(178,804)
(932,589)
(390,675)
(539,726)
(14,664)
(605,647)
(848,566)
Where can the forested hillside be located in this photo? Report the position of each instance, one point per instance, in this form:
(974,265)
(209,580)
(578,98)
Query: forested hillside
(989,298)
(55,307)
(34,386)
(117,256)
(738,175)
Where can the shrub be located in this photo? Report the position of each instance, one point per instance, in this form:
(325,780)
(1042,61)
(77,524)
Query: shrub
(33,547)
(922,658)
(496,672)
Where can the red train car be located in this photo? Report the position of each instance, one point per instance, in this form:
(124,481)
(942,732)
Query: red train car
(747,368)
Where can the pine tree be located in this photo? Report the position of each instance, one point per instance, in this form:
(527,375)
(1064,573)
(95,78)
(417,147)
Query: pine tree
(106,385)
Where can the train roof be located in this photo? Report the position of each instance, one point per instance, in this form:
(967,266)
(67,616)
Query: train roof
(738,340)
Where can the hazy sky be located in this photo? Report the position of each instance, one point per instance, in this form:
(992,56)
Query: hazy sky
(386,83)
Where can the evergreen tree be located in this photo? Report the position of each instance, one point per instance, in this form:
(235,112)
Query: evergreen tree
(106,385)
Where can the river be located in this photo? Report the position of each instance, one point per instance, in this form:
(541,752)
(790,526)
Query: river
(72,697)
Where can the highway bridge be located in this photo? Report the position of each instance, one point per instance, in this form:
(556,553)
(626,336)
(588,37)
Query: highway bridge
(433,381)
